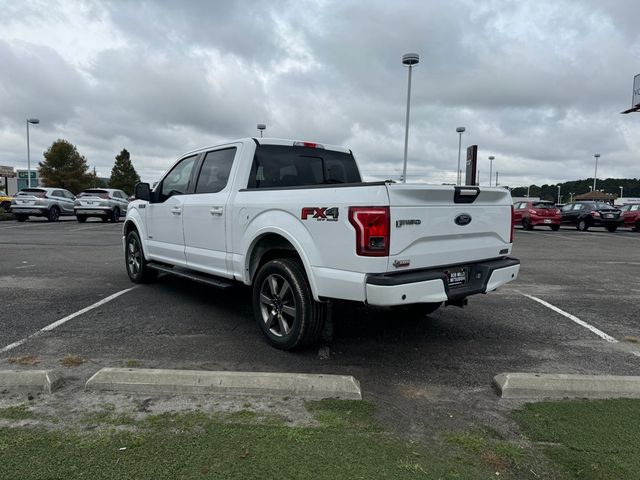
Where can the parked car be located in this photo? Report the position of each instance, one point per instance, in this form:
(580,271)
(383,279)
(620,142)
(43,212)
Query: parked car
(631,216)
(107,204)
(537,213)
(5,202)
(591,214)
(295,221)
(51,203)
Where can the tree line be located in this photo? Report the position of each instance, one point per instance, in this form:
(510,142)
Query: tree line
(63,166)
(630,188)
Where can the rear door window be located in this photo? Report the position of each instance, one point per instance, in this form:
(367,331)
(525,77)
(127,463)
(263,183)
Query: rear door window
(215,170)
(277,166)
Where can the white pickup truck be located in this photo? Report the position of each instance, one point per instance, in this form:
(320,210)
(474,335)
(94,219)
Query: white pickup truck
(295,221)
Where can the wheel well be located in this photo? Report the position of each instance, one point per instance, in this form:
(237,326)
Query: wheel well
(129,226)
(269,247)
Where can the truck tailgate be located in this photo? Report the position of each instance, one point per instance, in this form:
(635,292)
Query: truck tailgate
(433,225)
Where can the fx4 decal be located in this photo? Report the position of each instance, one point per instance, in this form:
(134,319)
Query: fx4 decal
(320,213)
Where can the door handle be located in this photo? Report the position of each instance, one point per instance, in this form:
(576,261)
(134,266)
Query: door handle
(176,210)
(216,211)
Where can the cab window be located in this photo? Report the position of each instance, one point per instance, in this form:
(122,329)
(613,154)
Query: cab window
(177,180)
(215,170)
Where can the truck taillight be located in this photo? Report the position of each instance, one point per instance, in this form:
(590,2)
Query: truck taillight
(513,225)
(372,230)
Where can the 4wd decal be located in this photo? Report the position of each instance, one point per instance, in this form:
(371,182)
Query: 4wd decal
(320,213)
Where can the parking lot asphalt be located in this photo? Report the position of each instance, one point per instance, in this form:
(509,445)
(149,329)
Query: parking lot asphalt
(421,371)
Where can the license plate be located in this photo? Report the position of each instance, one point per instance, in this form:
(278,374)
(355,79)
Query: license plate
(547,220)
(456,277)
(608,215)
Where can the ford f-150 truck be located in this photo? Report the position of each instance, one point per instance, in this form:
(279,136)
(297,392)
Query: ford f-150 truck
(295,221)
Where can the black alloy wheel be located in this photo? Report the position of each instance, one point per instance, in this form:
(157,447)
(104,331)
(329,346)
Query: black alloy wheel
(284,307)
(137,268)
(54,214)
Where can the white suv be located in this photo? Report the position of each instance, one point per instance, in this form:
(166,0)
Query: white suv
(107,204)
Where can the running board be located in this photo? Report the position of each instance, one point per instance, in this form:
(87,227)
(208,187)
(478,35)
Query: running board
(191,275)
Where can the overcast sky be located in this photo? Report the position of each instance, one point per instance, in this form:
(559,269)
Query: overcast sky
(538,84)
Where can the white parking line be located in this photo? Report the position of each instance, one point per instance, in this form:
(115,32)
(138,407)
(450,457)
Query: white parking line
(64,320)
(582,323)
(573,318)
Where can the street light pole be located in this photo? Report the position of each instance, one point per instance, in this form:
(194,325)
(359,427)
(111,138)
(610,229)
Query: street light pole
(408,59)
(559,194)
(261,127)
(595,175)
(460,131)
(34,121)
(621,190)
(491,159)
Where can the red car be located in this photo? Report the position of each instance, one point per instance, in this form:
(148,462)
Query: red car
(631,216)
(538,212)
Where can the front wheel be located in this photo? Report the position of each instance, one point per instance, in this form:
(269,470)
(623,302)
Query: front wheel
(526,224)
(583,225)
(81,218)
(21,217)
(6,206)
(612,228)
(137,268)
(115,215)
(284,307)
(54,214)
(555,228)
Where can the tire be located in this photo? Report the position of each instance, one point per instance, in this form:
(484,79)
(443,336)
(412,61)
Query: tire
(21,218)
(135,262)
(81,218)
(555,228)
(105,219)
(637,228)
(115,215)
(417,310)
(526,224)
(53,215)
(284,307)
(6,206)
(583,225)
(611,228)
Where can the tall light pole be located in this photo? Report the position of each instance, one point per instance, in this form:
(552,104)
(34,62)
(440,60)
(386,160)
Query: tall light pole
(460,131)
(571,194)
(595,175)
(528,189)
(261,127)
(34,121)
(491,159)
(621,190)
(408,59)
(559,194)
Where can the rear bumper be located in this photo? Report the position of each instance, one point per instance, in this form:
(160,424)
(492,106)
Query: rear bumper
(33,210)
(430,286)
(92,211)
(536,220)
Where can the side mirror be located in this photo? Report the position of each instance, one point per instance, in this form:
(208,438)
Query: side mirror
(142,191)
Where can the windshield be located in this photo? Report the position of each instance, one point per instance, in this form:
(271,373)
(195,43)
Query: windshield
(30,192)
(93,193)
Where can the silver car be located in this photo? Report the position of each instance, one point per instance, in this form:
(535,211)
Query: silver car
(108,204)
(47,202)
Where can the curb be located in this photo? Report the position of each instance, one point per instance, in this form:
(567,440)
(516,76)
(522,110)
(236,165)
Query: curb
(559,385)
(300,385)
(46,381)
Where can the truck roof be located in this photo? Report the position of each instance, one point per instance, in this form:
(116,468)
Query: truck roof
(273,141)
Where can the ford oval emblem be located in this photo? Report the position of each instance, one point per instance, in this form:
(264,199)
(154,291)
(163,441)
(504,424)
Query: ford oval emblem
(463,219)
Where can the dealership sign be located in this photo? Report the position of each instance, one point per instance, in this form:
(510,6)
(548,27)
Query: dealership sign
(24,174)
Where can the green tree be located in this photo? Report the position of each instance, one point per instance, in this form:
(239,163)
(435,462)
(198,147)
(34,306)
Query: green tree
(64,167)
(123,175)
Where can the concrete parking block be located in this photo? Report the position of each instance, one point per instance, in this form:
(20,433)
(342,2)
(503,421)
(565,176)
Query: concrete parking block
(45,381)
(301,385)
(559,385)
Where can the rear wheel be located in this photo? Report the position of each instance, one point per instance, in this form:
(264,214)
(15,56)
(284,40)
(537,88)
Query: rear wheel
(583,225)
(137,267)
(105,219)
(81,218)
(555,228)
(526,224)
(417,310)
(612,228)
(6,206)
(284,307)
(21,217)
(637,226)
(115,215)
(54,214)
